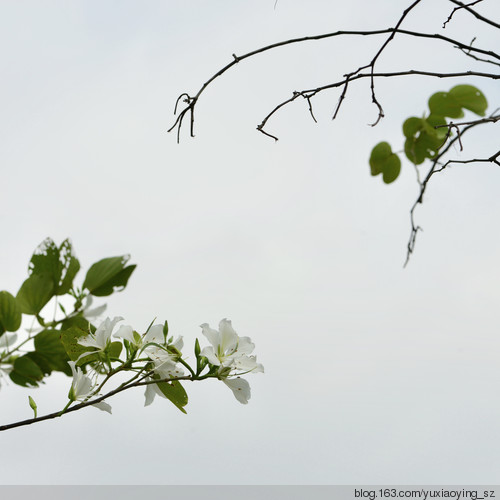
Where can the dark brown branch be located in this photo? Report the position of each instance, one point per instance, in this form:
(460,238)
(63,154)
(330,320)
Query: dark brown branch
(490,119)
(492,159)
(480,59)
(312,92)
(438,167)
(475,14)
(459,8)
(191,101)
(57,414)
(377,55)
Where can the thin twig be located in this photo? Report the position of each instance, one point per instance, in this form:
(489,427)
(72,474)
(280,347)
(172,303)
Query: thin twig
(475,14)
(438,167)
(56,414)
(191,101)
(312,92)
(459,8)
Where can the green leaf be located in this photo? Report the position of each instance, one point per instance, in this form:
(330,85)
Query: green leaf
(107,274)
(49,347)
(174,392)
(10,313)
(80,321)
(41,361)
(70,266)
(434,120)
(114,349)
(69,339)
(445,104)
(59,264)
(411,126)
(34,293)
(45,260)
(26,372)
(384,161)
(470,97)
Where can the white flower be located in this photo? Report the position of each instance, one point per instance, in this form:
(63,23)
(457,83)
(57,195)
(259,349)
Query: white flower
(231,353)
(154,334)
(7,340)
(82,387)
(165,362)
(88,313)
(240,388)
(153,344)
(102,336)
(228,349)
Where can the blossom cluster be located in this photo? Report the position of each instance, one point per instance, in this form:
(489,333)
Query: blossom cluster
(226,358)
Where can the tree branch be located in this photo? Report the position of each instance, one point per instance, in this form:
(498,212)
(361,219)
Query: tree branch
(312,92)
(56,414)
(475,14)
(438,167)
(191,101)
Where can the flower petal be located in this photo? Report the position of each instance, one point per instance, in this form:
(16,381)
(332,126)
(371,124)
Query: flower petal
(212,335)
(94,313)
(154,334)
(103,406)
(125,332)
(208,352)
(245,345)
(88,341)
(240,388)
(228,337)
(151,391)
(247,364)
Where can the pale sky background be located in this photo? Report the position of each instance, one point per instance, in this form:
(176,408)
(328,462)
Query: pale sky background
(374,373)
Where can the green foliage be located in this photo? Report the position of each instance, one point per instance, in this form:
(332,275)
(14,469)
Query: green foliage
(10,314)
(26,372)
(50,351)
(69,339)
(107,274)
(51,273)
(174,392)
(384,161)
(52,270)
(35,293)
(427,135)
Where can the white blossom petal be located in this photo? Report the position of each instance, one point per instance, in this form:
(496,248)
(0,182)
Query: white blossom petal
(208,352)
(240,388)
(154,334)
(228,337)
(102,405)
(125,332)
(245,345)
(212,335)
(247,364)
(151,391)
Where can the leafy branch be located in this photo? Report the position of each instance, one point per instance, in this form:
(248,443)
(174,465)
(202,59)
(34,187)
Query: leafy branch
(94,354)
(428,141)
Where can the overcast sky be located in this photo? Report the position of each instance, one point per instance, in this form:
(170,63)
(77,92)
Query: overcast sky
(374,373)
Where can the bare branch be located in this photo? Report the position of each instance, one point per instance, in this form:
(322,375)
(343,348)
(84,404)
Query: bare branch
(191,101)
(312,92)
(476,58)
(475,14)
(459,8)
